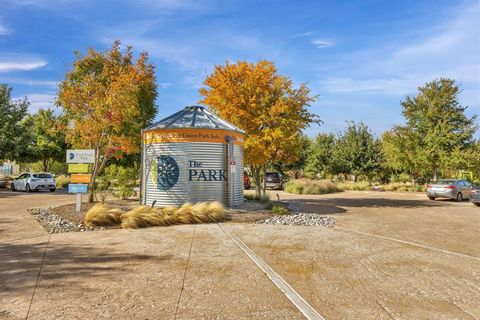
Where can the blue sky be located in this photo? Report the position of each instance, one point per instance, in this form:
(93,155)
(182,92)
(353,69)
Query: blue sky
(361,57)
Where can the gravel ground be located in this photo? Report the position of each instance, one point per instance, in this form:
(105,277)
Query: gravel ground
(302,219)
(56,224)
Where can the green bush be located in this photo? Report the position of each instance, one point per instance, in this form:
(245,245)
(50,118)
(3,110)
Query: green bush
(121,180)
(307,186)
(355,186)
(279,210)
(62,181)
(403,187)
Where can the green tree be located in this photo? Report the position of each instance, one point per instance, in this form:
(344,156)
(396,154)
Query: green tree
(318,163)
(357,152)
(108,98)
(402,153)
(13,137)
(437,135)
(46,138)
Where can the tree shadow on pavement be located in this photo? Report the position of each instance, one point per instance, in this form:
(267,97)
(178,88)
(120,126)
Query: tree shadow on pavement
(3,222)
(337,205)
(65,264)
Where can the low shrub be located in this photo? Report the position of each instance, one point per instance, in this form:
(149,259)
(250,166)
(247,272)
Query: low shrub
(403,187)
(253,196)
(62,181)
(121,180)
(354,186)
(307,186)
(279,210)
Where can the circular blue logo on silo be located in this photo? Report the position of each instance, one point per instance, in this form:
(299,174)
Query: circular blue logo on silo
(167,172)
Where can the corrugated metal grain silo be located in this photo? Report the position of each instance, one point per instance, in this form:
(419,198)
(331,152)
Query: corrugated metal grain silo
(192,156)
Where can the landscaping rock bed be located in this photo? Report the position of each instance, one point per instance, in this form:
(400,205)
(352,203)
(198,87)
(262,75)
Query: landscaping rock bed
(302,219)
(57,224)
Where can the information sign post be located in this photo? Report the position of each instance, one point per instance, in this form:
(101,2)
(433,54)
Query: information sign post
(78,161)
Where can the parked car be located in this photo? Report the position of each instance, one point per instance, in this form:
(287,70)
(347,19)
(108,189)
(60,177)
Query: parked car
(475,195)
(449,188)
(34,182)
(274,180)
(246,181)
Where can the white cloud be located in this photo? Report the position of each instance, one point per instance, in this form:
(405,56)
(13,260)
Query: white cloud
(302,35)
(454,52)
(322,43)
(19,64)
(3,30)
(40,101)
(164,85)
(26,82)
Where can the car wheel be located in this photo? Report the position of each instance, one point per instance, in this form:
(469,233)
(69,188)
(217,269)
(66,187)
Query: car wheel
(476,204)
(53,190)
(431,198)
(27,188)
(459,197)
(12,186)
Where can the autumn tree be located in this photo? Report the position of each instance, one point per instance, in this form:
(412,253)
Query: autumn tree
(12,131)
(46,138)
(296,168)
(267,105)
(437,135)
(108,97)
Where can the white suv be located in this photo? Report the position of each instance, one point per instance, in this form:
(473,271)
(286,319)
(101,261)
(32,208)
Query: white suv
(34,182)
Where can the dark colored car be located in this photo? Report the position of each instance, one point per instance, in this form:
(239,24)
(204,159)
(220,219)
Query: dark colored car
(246,181)
(274,180)
(475,195)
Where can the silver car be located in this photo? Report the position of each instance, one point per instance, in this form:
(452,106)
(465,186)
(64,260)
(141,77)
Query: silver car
(34,182)
(449,188)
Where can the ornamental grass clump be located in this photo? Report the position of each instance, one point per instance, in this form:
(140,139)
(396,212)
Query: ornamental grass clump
(145,216)
(101,215)
(142,217)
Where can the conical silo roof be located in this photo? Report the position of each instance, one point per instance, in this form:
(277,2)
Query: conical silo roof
(194,117)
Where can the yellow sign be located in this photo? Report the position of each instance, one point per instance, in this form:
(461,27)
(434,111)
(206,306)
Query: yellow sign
(78,168)
(81,178)
(191,135)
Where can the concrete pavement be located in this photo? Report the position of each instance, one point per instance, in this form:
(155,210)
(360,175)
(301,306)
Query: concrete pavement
(393,256)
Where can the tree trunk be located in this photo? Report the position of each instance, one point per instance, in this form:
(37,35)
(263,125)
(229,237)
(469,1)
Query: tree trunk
(264,183)
(435,175)
(45,165)
(256,174)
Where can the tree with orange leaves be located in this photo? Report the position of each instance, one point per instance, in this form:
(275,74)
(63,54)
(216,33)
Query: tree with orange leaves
(266,105)
(108,98)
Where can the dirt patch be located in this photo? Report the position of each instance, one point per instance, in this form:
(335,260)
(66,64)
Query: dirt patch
(248,217)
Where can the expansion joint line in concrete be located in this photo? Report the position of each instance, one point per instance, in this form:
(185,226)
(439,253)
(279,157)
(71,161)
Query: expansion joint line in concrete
(185,272)
(409,243)
(38,277)
(289,292)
